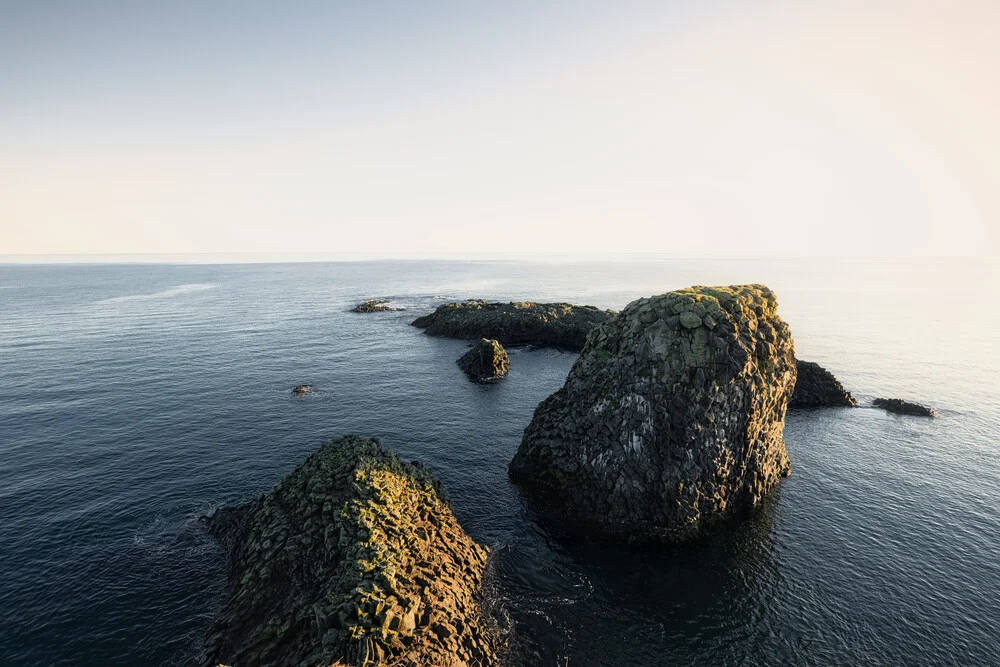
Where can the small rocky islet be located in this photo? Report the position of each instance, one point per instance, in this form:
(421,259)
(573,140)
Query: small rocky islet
(900,407)
(486,360)
(379,305)
(669,421)
(354,557)
(560,325)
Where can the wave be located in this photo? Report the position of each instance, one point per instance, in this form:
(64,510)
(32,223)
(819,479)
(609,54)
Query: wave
(165,294)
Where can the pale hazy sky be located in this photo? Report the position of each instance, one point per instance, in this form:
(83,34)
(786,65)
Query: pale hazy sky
(782,127)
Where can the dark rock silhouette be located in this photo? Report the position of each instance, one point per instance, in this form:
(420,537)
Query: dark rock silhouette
(559,325)
(901,407)
(302,390)
(817,387)
(672,417)
(354,557)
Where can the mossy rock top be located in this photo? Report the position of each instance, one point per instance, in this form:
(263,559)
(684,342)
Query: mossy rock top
(355,556)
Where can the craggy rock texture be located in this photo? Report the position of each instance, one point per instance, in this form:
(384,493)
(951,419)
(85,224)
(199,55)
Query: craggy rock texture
(375,306)
(816,387)
(355,556)
(302,390)
(671,417)
(485,361)
(901,407)
(560,325)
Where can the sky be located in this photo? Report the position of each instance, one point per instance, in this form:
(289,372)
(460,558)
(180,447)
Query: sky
(750,128)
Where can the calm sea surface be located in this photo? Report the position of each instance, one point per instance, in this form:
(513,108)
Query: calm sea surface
(136,398)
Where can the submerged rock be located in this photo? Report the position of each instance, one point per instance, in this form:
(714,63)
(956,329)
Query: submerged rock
(302,390)
(901,407)
(816,387)
(560,325)
(671,417)
(381,305)
(485,361)
(355,556)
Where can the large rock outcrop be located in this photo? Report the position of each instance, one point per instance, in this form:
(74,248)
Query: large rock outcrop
(356,557)
(560,325)
(487,360)
(816,387)
(671,417)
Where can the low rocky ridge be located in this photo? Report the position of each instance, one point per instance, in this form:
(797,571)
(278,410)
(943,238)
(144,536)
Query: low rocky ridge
(817,387)
(672,417)
(901,407)
(560,325)
(486,360)
(381,305)
(301,390)
(356,557)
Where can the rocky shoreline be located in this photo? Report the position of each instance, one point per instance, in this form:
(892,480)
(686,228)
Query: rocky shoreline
(670,421)
(354,557)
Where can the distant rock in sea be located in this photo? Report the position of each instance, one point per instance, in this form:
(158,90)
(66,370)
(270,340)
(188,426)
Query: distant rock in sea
(817,387)
(354,557)
(302,390)
(672,417)
(901,407)
(560,325)
(487,360)
(380,305)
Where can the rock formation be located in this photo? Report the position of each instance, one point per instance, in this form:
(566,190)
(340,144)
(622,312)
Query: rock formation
(817,387)
(485,361)
(671,417)
(302,390)
(901,407)
(380,305)
(560,325)
(355,556)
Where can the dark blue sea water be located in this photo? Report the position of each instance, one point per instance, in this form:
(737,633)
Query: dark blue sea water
(136,398)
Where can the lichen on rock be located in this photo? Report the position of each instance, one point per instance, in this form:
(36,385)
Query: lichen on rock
(357,557)
(672,417)
(560,325)
(816,387)
(487,360)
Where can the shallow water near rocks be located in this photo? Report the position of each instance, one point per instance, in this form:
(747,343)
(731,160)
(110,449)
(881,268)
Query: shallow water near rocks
(136,398)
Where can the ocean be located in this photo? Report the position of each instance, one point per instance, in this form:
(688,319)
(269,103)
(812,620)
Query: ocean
(136,398)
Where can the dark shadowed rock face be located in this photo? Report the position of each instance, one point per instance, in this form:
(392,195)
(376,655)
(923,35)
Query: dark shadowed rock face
(671,417)
(485,361)
(560,325)
(816,387)
(901,407)
(375,306)
(356,557)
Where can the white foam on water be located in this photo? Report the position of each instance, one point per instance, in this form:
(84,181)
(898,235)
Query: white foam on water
(165,294)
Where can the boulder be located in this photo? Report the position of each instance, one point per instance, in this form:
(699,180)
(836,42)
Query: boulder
(901,407)
(672,417)
(816,387)
(355,556)
(380,305)
(559,325)
(486,360)
(302,390)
